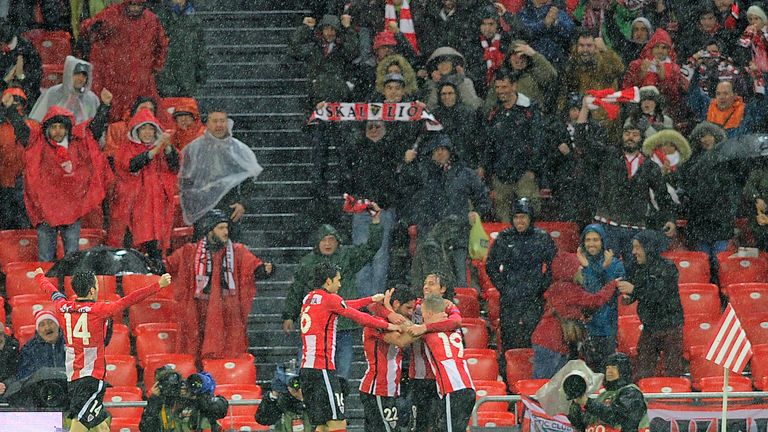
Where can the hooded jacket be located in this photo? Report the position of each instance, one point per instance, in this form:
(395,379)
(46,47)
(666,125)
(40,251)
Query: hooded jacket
(674,83)
(182,137)
(463,125)
(349,260)
(466,86)
(604,321)
(655,281)
(82,103)
(411,86)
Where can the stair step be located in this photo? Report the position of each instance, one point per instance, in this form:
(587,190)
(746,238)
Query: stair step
(256,86)
(263,140)
(253,18)
(249,5)
(257,103)
(248,35)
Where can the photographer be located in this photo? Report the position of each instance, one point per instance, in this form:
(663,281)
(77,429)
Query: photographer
(284,406)
(179,405)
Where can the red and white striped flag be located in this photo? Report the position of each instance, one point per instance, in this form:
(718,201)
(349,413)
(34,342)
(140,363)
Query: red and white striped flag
(405,24)
(730,348)
(609,98)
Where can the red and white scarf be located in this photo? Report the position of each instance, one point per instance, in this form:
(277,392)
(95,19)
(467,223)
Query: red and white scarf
(375,111)
(405,24)
(62,156)
(609,98)
(204,269)
(492,55)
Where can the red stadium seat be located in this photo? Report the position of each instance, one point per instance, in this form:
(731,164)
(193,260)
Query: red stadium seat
(23,314)
(735,384)
(693,267)
(89,237)
(665,385)
(493,299)
(493,229)
(759,366)
(741,270)
(121,370)
(157,338)
(184,364)
(564,266)
(29,298)
(468,306)
(120,343)
(529,387)
(24,333)
(235,392)
(491,391)
(496,419)
(565,234)
(124,424)
(20,276)
(700,299)
(107,286)
(748,298)
(519,366)
(52,75)
(467,291)
(628,335)
(241,424)
(133,282)
(490,384)
(756,327)
(151,311)
(698,330)
(482,363)
(53,46)
(18,246)
(181,236)
(475,333)
(701,367)
(241,370)
(2,310)
(123,395)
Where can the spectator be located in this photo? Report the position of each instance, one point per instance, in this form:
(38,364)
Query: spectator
(9,357)
(705,182)
(564,303)
(436,253)
(714,67)
(732,18)
(186,117)
(447,23)
(598,266)
(513,157)
(653,284)
(649,114)
(127,24)
(13,215)
(756,195)
(626,179)
(48,14)
(215,290)
(727,109)
(117,131)
(621,406)
(327,54)
(640,30)
(19,62)
(82,9)
(755,39)
(520,266)
(396,64)
(446,64)
(443,187)
(550,29)
(217,171)
(693,37)
(460,122)
(669,150)
(73,94)
(327,248)
(283,407)
(141,209)
(385,44)
(45,349)
(186,67)
(66,176)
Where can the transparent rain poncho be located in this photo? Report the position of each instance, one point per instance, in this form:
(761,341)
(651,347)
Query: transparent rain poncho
(83,103)
(211,167)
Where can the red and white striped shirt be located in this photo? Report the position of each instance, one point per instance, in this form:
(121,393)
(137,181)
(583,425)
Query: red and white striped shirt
(84,325)
(446,357)
(319,313)
(419,366)
(385,363)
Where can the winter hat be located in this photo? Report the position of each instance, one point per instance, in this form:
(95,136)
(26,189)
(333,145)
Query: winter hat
(394,77)
(330,20)
(631,124)
(758,12)
(668,136)
(623,363)
(16,92)
(43,315)
(488,12)
(437,141)
(653,243)
(645,22)
(384,38)
(707,128)
(523,205)
(209,221)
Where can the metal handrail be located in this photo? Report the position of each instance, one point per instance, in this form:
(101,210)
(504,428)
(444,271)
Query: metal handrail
(141,404)
(648,396)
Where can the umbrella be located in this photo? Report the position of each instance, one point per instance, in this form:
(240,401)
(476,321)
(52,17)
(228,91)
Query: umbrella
(741,147)
(105,260)
(45,388)
(552,395)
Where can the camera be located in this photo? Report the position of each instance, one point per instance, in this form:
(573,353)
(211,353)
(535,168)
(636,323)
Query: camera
(169,382)
(294,383)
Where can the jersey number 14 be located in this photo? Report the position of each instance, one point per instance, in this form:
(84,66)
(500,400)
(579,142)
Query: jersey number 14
(79,331)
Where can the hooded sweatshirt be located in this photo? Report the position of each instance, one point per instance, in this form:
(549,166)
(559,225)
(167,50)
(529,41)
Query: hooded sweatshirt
(82,103)
(674,83)
(604,321)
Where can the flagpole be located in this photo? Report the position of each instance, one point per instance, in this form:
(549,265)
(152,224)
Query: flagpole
(725,400)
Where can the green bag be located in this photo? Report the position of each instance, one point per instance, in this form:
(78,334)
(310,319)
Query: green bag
(478,241)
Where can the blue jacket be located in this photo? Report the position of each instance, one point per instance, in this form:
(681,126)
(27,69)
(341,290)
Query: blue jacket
(37,353)
(553,41)
(604,321)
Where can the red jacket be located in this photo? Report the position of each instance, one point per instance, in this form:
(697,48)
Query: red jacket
(674,83)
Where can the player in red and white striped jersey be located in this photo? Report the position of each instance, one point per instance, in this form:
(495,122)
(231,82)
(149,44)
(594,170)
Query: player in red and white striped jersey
(446,357)
(319,314)
(84,326)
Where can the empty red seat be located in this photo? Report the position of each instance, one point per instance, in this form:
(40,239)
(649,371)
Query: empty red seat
(157,338)
(120,342)
(735,270)
(241,370)
(29,298)
(20,276)
(698,330)
(123,395)
(467,291)
(701,367)
(23,314)
(121,370)
(53,46)
(493,229)
(469,306)
(664,385)
(133,282)
(24,333)
(700,298)
(564,266)
(756,326)
(759,366)
(482,363)
(490,384)
(475,333)
(628,334)
(519,366)
(236,392)
(564,234)
(491,391)
(89,237)
(107,286)
(529,387)
(184,364)
(124,424)
(52,75)
(152,311)
(735,384)
(241,424)
(496,419)
(748,298)
(18,246)
(692,267)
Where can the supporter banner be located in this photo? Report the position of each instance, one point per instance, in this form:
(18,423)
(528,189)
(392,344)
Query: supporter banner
(705,418)
(364,111)
(536,420)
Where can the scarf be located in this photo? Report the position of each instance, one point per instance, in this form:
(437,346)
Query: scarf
(661,159)
(405,24)
(608,99)
(363,111)
(492,55)
(204,269)
(594,17)
(728,119)
(62,155)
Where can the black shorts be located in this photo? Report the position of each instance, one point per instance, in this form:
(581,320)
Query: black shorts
(86,401)
(455,411)
(322,395)
(424,397)
(380,413)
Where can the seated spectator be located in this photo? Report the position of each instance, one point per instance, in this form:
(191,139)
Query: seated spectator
(397,64)
(549,29)
(538,78)
(19,62)
(669,150)
(141,209)
(9,357)
(107,34)
(186,117)
(186,66)
(755,40)
(117,131)
(703,182)
(446,23)
(653,285)
(13,214)
(46,349)
(657,66)
(649,115)
(727,109)
(447,64)
(731,17)
(706,28)
(460,122)
(73,94)
(713,66)
(640,30)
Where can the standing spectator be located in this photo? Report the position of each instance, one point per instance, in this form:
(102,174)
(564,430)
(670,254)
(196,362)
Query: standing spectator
(513,155)
(446,64)
(727,109)
(186,117)
(117,131)
(47,14)
(217,171)
(755,40)
(396,64)
(598,266)
(657,66)
(131,72)
(66,176)
(640,31)
(82,9)
(73,94)
(550,29)
(447,23)
(366,73)
(714,66)
(460,122)
(731,17)
(19,62)
(141,209)
(9,357)
(520,266)
(186,67)
(45,349)
(215,290)
(693,37)
(669,150)
(649,114)
(653,285)
(13,215)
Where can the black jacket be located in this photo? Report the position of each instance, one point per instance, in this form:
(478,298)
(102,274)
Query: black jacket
(515,261)
(33,69)
(626,409)
(578,170)
(463,125)
(9,358)
(204,409)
